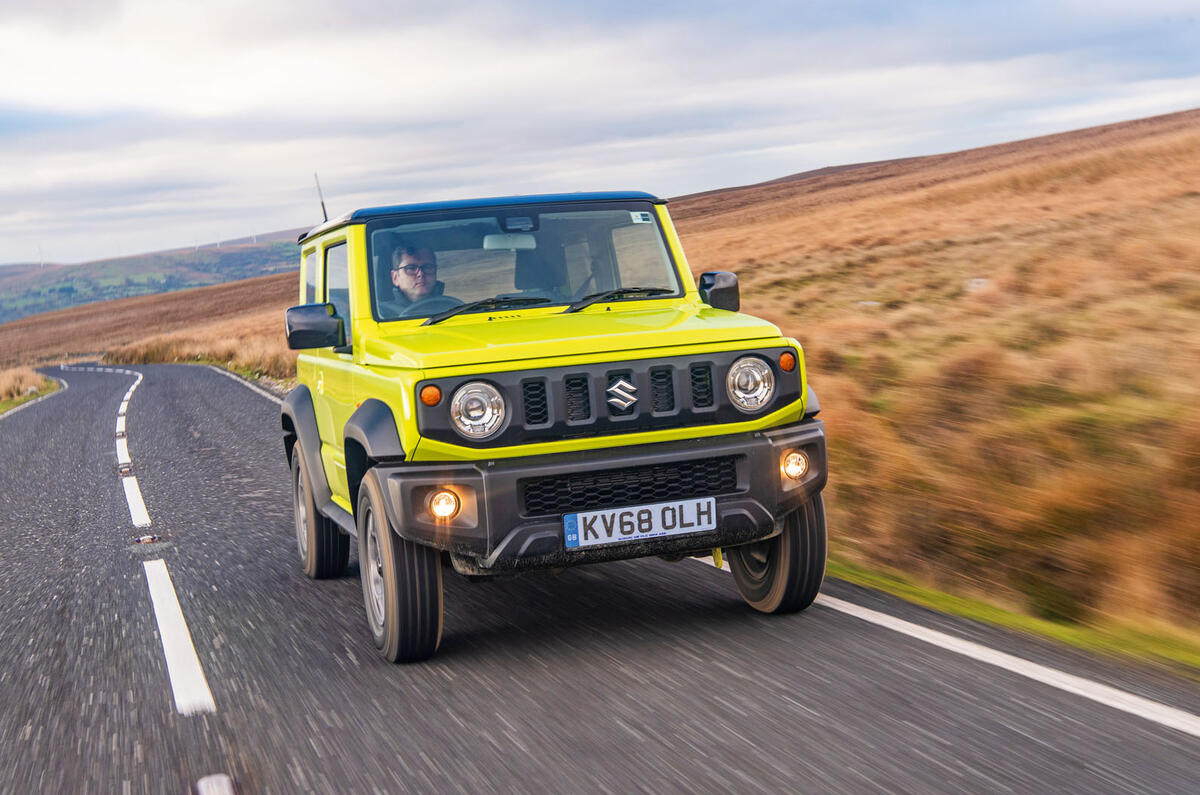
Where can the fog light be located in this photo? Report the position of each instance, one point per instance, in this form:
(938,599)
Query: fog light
(795,465)
(443,504)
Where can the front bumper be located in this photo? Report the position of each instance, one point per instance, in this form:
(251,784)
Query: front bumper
(503,527)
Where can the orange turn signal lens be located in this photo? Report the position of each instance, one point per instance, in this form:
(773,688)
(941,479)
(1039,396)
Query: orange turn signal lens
(431,395)
(787,361)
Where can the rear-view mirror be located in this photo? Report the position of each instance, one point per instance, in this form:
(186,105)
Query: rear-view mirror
(719,289)
(515,241)
(314,326)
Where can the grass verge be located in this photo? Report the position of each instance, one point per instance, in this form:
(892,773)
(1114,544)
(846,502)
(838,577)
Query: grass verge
(1174,650)
(9,402)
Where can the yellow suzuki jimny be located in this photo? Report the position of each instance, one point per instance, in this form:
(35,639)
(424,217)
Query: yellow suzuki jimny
(535,382)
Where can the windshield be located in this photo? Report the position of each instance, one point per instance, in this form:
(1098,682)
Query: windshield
(423,266)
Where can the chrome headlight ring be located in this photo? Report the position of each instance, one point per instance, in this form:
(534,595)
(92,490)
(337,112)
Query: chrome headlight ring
(477,410)
(750,384)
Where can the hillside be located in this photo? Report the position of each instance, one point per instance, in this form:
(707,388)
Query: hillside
(30,288)
(1005,342)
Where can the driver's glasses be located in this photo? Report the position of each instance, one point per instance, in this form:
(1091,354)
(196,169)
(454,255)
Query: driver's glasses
(412,270)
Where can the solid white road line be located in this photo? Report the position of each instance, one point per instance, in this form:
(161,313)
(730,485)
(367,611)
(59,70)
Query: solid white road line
(1153,711)
(183,666)
(1109,696)
(248,385)
(121,424)
(137,506)
(62,388)
(124,407)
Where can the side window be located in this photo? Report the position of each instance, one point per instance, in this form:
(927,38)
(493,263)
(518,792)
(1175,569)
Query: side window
(310,277)
(337,282)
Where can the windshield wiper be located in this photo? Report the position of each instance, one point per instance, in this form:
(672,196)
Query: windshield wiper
(620,292)
(496,302)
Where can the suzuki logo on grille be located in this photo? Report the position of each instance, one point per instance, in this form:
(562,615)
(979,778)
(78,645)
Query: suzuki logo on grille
(623,394)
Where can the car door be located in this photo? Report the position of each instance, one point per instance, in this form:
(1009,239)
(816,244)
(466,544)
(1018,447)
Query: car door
(335,374)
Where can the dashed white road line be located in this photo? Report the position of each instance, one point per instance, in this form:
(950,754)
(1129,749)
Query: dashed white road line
(247,384)
(217,784)
(1145,708)
(188,684)
(137,506)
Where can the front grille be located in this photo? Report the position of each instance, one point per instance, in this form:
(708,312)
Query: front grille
(702,385)
(579,402)
(612,488)
(537,411)
(662,389)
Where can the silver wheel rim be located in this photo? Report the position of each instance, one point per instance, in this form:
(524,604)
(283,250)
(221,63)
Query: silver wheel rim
(374,569)
(756,559)
(301,517)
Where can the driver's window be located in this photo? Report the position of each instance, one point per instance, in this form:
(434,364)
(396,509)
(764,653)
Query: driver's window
(337,282)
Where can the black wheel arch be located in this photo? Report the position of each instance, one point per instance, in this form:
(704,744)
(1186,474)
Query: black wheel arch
(370,436)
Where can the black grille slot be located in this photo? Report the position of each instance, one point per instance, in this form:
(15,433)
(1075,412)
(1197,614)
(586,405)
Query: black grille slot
(579,402)
(702,386)
(612,488)
(537,411)
(662,389)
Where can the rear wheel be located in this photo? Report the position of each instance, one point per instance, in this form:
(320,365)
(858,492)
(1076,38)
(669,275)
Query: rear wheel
(402,582)
(324,549)
(783,574)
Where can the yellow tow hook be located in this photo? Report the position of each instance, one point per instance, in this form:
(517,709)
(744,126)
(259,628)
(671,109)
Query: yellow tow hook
(717,561)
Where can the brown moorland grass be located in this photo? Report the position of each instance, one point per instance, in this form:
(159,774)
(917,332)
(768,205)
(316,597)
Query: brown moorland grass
(18,382)
(1005,342)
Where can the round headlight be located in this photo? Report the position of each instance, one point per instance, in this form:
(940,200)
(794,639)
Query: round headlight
(750,383)
(477,410)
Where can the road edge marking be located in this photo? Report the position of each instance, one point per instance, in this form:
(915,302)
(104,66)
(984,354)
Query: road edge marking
(1109,696)
(247,384)
(188,684)
(62,388)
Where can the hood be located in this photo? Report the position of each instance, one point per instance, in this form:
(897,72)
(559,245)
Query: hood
(468,340)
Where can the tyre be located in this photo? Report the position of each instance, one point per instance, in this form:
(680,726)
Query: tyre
(402,582)
(324,549)
(783,574)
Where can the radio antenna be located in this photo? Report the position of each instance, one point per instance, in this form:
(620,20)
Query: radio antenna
(320,196)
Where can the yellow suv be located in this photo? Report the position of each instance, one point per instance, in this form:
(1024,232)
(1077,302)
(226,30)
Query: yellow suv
(532,382)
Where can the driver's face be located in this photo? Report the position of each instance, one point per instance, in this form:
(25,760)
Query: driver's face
(415,274)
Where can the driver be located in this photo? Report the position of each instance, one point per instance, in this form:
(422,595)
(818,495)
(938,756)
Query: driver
(414,275)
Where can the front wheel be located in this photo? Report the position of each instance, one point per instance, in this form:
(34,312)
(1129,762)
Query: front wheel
(783,574)
(401,581)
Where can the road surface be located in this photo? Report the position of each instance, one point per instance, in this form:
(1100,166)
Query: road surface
(129,667)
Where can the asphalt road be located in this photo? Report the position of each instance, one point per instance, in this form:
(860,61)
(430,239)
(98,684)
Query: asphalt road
(639,676)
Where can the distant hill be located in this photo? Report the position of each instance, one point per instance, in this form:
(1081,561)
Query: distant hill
(31,288)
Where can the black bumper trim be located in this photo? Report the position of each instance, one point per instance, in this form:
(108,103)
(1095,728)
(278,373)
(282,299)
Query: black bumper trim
(490,533)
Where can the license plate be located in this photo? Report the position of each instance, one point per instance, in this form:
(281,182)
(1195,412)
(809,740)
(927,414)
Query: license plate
(639,522)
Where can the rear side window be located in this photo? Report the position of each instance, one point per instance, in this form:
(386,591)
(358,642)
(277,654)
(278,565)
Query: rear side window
(310,277)
(337,282)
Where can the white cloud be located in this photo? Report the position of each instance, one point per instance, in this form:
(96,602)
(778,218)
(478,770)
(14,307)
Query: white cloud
(160,125)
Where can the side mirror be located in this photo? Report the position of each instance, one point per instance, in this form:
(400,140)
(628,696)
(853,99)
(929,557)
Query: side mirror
(314,326)
(719,289)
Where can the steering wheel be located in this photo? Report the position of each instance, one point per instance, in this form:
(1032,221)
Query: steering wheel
(431,305)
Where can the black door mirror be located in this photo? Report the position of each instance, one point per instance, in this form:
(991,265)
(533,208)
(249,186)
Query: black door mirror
(314,326)
(719,289)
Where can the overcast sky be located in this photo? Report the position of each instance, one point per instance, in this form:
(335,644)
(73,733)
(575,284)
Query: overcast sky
(135,125)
